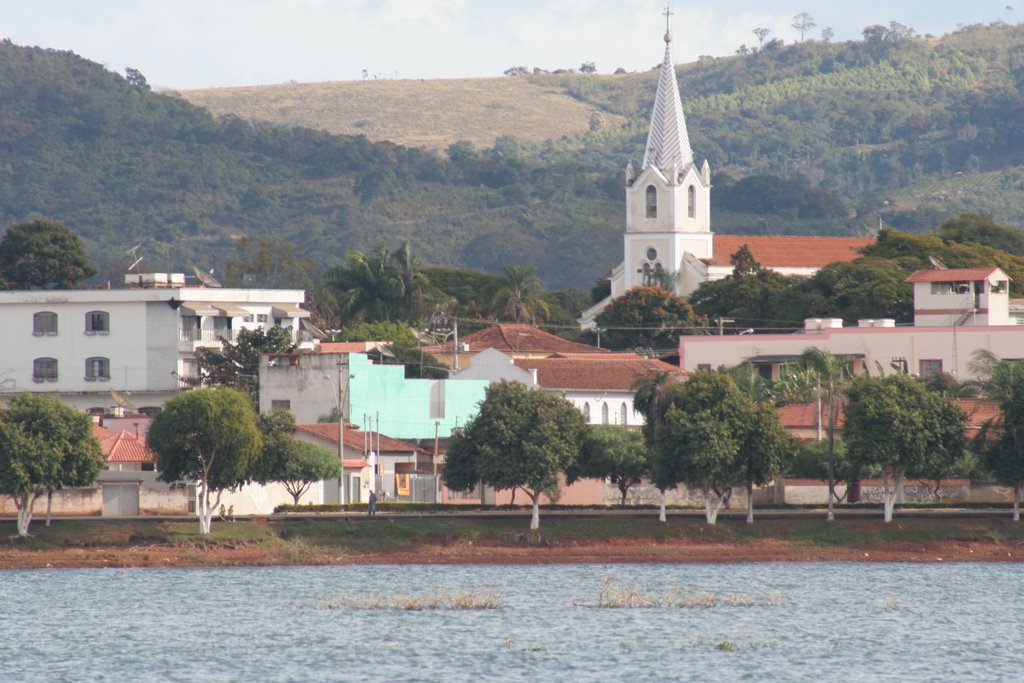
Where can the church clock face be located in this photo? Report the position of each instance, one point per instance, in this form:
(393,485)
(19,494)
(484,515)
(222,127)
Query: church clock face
(652,253)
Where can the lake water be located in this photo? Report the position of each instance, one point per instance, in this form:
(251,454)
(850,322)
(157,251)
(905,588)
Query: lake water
(762,622)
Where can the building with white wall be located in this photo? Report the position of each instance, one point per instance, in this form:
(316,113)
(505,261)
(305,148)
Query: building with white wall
(602,386)
(956,312)
(668,216)
(140,341)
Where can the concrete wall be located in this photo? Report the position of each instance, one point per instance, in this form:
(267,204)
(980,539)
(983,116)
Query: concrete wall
(954,347)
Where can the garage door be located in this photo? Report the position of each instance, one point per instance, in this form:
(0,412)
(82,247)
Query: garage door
(120,500)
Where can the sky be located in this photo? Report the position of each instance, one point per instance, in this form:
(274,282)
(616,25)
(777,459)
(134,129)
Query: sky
(183,44)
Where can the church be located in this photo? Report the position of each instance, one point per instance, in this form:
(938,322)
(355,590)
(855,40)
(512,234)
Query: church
(668,216)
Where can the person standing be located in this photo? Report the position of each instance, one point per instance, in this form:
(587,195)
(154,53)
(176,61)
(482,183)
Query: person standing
(371,509)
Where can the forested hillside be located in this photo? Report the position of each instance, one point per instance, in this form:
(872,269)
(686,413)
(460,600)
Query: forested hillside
(815,137)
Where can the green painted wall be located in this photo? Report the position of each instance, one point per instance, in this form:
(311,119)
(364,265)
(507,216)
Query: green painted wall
(404,405)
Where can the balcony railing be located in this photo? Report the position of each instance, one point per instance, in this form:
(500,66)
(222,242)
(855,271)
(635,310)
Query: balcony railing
(206,335)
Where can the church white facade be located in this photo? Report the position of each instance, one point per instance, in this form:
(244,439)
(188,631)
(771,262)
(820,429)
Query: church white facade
(668,204)
(668,238)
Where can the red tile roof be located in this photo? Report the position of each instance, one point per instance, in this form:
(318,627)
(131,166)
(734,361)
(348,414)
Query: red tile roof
(350,347)
(609,372)
(516,338)
(354,438)
(801,415)
(789,251)
(950,274)
(122,446)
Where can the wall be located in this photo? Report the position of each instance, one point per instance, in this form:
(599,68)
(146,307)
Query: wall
(954,347)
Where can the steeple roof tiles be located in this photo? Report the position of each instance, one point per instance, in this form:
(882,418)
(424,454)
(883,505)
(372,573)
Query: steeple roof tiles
(668,143)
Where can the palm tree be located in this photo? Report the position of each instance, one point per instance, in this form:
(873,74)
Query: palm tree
(1001,439)
(413,280)
(832,374)
(518,295)
(647,401)
(369,289)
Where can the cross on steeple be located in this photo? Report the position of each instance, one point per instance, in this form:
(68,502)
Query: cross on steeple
(668,13)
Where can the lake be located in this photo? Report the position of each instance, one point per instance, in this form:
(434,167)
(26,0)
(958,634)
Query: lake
(735,622)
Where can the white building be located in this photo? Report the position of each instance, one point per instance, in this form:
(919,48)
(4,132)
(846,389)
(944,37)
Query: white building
(668,216)
(601,385)
(141,341)
(956,312)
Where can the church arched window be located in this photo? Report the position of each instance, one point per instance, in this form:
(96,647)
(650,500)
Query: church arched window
(652,201)
(622,414)
(691,202)
(586,411)
(604,413)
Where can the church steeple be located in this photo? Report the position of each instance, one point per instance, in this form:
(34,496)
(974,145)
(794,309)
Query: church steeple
(668,143)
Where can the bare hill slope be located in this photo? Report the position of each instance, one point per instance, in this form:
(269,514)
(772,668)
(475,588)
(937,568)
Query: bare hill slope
(417,113)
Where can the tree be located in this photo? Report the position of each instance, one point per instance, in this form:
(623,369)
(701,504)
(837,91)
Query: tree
(712,437)
(410,271)
(521,438)
(270,262)
(43,254)
(647,401)
(761,34)
(1001,440)
(296,464)
(827,34)
(236,364)
(518,295)
(981,229)
(588,68)
(767,447)
(831,373)
(44,446)
(803,23)
(896,424)
(369,290)
(612,452)
(699,438)
(135,77)
(747,296)
(209,436)
(646,317)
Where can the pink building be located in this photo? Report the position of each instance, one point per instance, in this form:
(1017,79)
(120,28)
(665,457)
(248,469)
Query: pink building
(957,312)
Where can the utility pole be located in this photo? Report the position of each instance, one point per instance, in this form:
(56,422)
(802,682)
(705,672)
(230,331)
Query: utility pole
(342,406)
(437,484)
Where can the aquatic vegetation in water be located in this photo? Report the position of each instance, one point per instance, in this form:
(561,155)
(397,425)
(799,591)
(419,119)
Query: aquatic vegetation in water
(438,600)
(613,595)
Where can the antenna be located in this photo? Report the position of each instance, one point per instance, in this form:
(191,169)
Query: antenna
(936,263)
(137,262)
(122,400)
(313,330)
(206,278)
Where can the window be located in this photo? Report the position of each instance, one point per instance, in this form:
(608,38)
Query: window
(44,370)
(652,254)
(97,322)
(604,413)
(930,367)
(222,328)
(97,369)
(261,317)
(704,366)
(282,403)
(622,414)
(652,201)
(44,323)
(586,411)
(691,201)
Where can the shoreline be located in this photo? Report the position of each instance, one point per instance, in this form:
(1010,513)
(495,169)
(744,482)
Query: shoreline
(142,543)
